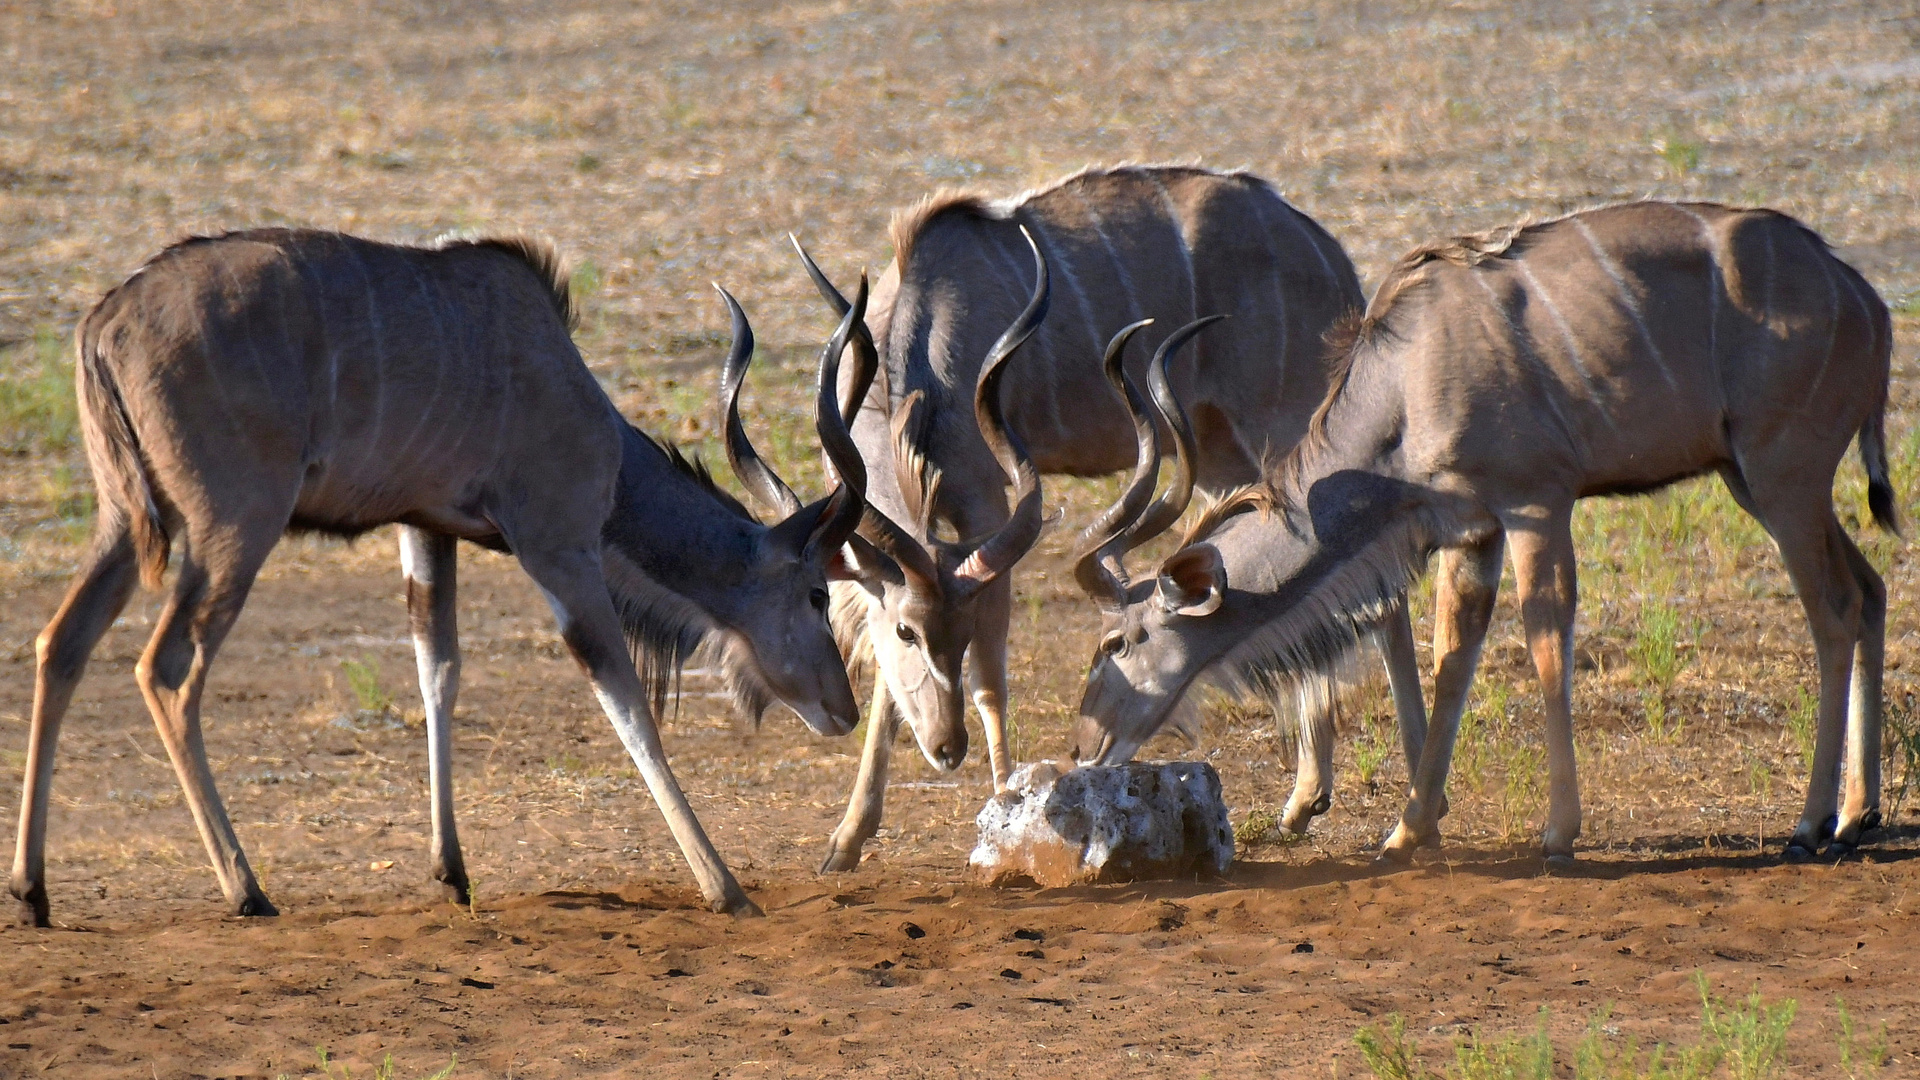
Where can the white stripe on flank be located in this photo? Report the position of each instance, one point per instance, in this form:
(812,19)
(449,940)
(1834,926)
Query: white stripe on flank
(1186,253)
(1573,345)
(1119,266)
(379,410)
(1550,387)
(1833,298)
(1714,285)
(1279,279)
(1058,259)
(1626,298)
(425,410)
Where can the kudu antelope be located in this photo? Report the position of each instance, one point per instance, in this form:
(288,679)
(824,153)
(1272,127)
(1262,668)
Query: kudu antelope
(1126,244)
(1494,381)
(239,387)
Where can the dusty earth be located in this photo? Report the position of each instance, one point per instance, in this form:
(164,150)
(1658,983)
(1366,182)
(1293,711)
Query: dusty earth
(663,146)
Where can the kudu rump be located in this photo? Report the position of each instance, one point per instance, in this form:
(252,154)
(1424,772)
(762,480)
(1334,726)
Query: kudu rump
(237,388)
(1494,381)
(1124,244)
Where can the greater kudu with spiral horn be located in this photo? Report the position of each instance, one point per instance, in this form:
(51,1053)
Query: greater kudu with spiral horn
(1125,243)
(1494,381)
(239,387)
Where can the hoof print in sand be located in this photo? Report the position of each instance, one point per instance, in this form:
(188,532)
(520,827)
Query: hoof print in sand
(1120,823)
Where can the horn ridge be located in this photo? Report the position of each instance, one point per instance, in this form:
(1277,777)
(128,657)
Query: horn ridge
(753,472)
(884,535)
(848,501)
(998,553)
(1107,584)
(1167,509)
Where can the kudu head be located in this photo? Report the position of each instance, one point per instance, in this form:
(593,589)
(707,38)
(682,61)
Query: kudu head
(923,594)
(776,603)
(1149,651)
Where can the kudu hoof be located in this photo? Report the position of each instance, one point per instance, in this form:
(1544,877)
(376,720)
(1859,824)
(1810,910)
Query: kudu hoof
(456,892)
(840,860)
(739,906)
(255,905)
(1797,852)
(34,910)
(1560,860)
(1394,856)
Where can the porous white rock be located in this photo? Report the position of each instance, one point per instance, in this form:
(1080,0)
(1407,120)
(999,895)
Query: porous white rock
(1105,823)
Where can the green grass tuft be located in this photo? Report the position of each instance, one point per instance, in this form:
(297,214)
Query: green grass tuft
(37,407)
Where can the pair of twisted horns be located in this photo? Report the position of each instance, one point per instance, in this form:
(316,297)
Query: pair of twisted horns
(825,525)
(905,558)
(1131,522)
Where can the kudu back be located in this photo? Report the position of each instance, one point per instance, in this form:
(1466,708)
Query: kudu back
(1494,381)
(1168,243)
(238,387)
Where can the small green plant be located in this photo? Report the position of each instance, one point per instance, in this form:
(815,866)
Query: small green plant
(1681,155)
(1803,721)
(1518,1057)
(363,682)
(1751,1036)
(1859,1062)
(586,163)
(1522,764)
(1371,749)
(1390,1054)
(1259,825)
(1596,1057)
(1902,737)
(1656,644)
(586,280)
(1759,778)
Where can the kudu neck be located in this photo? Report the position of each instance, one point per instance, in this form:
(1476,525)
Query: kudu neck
(670,524)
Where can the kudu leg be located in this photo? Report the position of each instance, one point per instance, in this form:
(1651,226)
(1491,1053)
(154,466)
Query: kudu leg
(1395,638)
(987,674)
(868,800)
(216,572)
(576,590)
(1313,782)
(1847,622)
(1860,812)
(98,594)
(1315,701)
(428,560)
(1464,591)
(1544,573)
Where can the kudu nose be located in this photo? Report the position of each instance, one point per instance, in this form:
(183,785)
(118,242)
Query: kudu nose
(950,753)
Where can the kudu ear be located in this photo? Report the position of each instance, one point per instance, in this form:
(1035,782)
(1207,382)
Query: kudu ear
(1192,582)
(859,561)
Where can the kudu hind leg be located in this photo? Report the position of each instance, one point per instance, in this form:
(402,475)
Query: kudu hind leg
(576,589)
(1838,612)
(868,801)
(95,599)
(207,596)
(1860,808)
(429,560)
(1544,574)
(1465,586)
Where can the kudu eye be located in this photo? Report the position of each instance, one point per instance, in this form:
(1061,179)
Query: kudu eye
(1114,644)
(906,633)
(818,598)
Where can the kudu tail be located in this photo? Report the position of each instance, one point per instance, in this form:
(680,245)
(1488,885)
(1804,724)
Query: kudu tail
(1873,457)
(120,475)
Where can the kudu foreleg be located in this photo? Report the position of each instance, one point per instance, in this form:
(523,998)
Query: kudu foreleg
(429,560)
(576,590)
(1313,780)
(1464,591)
(1544,574)
(987,675)
(98,594)
(868,800)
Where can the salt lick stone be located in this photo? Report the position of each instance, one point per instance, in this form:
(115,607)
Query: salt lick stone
(1107,823)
